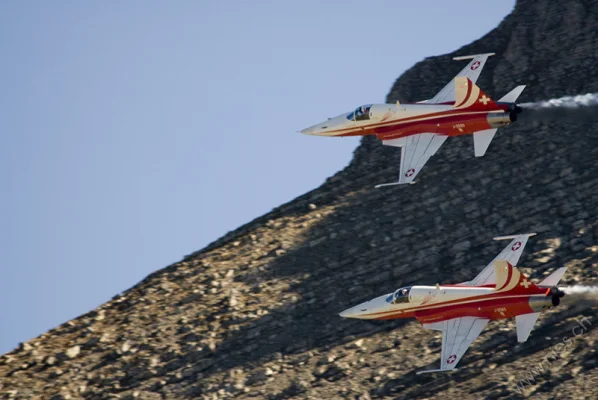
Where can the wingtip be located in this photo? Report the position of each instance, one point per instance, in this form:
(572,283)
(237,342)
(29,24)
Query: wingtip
(387,184)
(429,371)
(458,58)
(514,236)
(394,184)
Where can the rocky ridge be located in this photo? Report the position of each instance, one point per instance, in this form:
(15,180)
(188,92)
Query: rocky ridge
(254,315)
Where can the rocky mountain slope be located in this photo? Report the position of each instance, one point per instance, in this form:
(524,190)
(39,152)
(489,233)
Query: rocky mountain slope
(254,315)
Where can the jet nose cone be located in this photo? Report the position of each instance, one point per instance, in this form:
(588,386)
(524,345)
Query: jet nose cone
(353,312)
(320,129)
(315,130)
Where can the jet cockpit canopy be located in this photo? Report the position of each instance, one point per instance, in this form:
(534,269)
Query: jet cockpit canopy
(361,113)
(400,296)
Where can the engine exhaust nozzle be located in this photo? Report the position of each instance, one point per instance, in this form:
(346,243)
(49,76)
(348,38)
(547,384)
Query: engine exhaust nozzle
(498,120)
(555,291)
(542,303)
(556,300)
(555,296)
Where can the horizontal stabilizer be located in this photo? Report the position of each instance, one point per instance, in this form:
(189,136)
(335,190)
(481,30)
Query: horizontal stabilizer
(525,324)
(554,278)
(481,141)
(513,95)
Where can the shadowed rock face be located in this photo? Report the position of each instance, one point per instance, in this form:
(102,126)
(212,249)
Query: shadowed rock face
(254,315)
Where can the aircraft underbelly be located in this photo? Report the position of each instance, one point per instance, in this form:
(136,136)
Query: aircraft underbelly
(491,309)
(462,125)
(450,125)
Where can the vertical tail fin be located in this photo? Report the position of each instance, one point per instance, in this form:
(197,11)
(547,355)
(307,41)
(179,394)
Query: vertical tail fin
(469,95)
(525,323)
(509,279)
(482,139)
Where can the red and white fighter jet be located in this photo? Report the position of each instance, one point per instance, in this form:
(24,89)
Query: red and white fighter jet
(462,311)
(460,108)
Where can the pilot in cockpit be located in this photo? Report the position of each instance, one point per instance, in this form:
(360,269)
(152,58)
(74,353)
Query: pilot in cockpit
(362,113)
(401,295)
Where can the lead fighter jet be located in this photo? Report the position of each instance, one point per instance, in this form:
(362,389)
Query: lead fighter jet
(460,108)
(462,311)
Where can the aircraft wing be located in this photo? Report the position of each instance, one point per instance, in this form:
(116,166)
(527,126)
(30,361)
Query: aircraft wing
(471,71)
(511,253)
(457,336)
(416,150)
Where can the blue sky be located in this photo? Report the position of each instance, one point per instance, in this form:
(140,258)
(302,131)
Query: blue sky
(134,133)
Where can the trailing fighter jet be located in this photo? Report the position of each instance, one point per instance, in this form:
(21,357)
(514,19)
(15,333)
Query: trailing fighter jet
(462,311)
(460,108)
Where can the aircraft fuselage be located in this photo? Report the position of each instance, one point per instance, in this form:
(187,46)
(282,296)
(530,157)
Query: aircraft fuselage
(439,303)
(392,121)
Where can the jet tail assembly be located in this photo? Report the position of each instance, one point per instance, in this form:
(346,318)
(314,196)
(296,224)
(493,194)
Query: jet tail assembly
(482,139)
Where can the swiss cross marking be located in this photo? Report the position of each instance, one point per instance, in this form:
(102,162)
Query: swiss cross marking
(525,283)
(451,359)
(475,65)
(516,246)
(484,99)
(410,173)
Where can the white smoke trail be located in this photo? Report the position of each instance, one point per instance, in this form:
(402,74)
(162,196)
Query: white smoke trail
(581,100)
(568,109)
(580,295)
(580,289)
